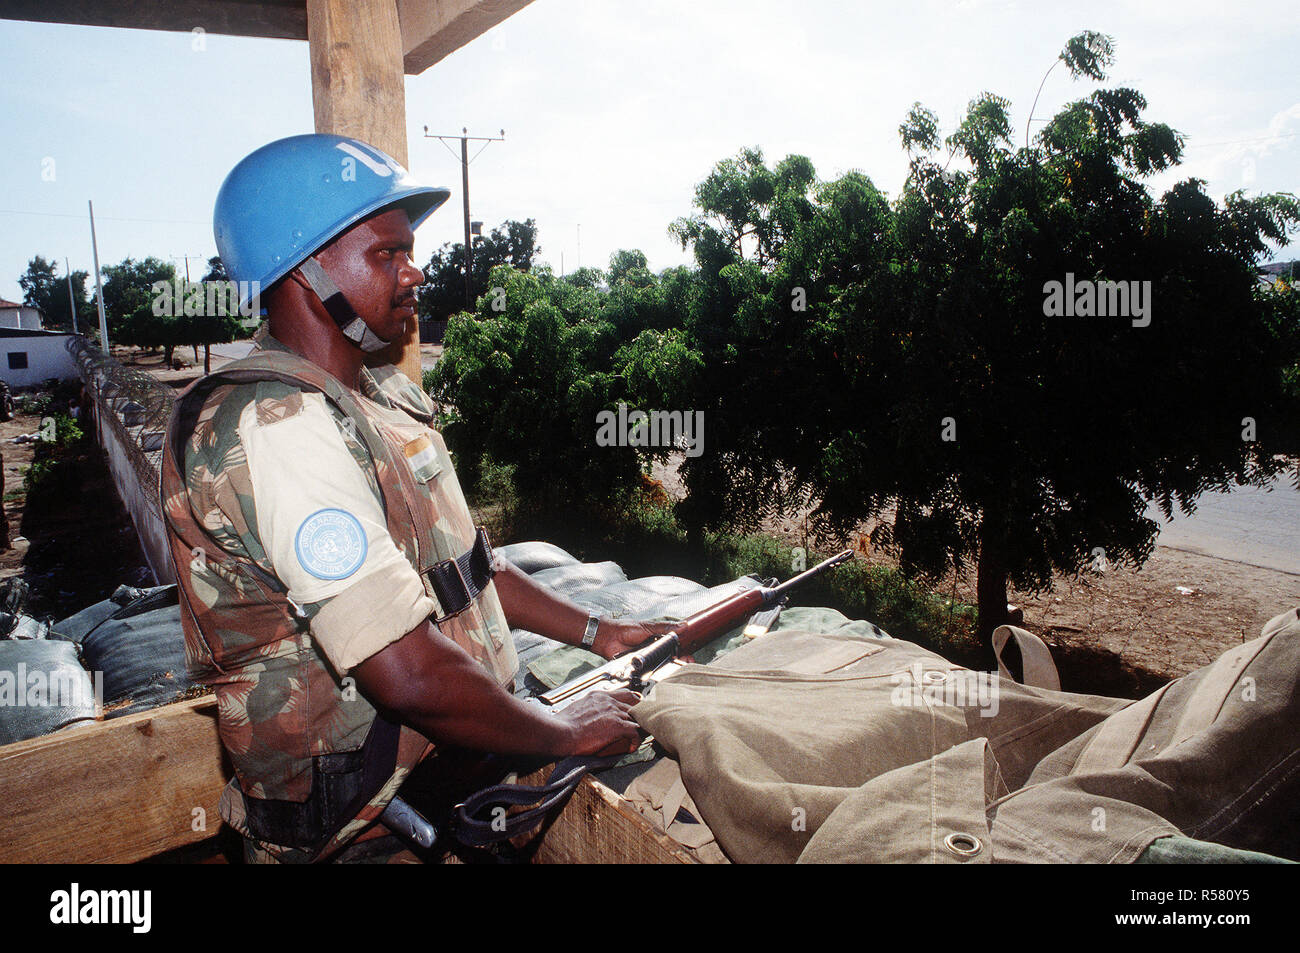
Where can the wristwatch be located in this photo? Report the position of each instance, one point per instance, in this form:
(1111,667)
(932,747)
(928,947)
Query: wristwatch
(589,636)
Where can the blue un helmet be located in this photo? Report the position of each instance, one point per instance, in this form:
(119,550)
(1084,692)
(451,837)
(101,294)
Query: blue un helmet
(289,199)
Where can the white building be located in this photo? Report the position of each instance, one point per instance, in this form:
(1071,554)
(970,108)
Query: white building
(22,317)
(29,358)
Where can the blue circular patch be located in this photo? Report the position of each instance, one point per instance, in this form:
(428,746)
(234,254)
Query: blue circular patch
(331,544)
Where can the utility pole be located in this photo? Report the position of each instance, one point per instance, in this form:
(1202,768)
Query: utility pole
(72,302)
(99,284)
(465,160)
(187,265)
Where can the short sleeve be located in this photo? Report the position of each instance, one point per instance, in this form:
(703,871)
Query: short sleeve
(324,532)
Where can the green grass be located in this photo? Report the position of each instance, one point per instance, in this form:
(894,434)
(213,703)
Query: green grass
(645,539)
(881,594)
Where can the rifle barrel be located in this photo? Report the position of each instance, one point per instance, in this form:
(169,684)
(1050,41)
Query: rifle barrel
(778,592)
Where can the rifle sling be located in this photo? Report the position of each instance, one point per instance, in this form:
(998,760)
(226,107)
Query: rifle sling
(470,829)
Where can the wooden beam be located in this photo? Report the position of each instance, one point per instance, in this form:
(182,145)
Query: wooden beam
(123,790)
(114,791)
(358,90)
(357,87)
(277,19)
(433,29)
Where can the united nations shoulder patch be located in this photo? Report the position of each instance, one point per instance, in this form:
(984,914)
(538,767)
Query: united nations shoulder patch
(331,544)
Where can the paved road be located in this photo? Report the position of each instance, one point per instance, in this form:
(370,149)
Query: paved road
(233,351)
(1247,525)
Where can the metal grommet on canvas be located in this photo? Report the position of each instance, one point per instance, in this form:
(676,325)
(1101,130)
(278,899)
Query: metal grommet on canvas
(934,677)
(962,844)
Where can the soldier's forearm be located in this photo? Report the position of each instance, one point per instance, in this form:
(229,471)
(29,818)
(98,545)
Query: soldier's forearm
(530,605)
(430,683)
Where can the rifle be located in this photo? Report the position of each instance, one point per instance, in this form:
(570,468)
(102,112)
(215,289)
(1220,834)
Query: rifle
(633,668)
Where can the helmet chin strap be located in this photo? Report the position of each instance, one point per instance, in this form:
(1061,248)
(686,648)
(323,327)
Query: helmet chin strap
(340,309)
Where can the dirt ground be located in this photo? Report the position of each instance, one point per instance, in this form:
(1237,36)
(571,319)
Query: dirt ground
(71,541)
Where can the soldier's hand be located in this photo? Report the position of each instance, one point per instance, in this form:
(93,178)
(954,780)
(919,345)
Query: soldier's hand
(601,724)
(615,638)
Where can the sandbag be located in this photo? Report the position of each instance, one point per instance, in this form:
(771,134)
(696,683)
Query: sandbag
(638,598)
(140,648)
(573,581)
(43,688)
(533,556)
(567,662)
(25,627)
(75,627)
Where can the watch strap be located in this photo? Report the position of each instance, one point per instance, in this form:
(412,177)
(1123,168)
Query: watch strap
(589,636)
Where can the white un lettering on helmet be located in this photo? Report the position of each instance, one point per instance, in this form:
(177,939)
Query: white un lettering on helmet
(331,544)
(376,163)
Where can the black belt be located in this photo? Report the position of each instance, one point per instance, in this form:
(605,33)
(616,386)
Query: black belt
(458,582)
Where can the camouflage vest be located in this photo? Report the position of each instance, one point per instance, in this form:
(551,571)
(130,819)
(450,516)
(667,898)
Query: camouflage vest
(285,717)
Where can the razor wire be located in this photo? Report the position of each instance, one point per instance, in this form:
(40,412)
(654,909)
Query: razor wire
(133,406)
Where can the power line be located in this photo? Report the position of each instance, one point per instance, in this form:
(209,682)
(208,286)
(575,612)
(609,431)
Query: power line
(1233,142)
(108,218)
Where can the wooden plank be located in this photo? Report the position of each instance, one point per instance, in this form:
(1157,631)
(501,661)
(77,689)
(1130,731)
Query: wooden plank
(278,19)
(431,29)
(113,792)
(434,29)
(358,90)
(124,790)
(598,826)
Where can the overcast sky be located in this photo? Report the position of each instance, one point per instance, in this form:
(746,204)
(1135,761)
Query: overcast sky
(613,111)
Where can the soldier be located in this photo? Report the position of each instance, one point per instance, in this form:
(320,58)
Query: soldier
(334,590)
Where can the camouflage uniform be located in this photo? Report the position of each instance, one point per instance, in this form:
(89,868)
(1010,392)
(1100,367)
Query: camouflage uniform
(233,473)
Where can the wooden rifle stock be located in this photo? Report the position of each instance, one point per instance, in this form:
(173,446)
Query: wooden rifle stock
(704,626)
(707,624)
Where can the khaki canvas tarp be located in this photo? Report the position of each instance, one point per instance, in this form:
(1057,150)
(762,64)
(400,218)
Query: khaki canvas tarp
(824,742)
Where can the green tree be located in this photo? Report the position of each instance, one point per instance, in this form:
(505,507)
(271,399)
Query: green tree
(214,325)
(443,292)
(129,305)
(43,288)
(764,376)
(526,375)
(586,277)
(928,373)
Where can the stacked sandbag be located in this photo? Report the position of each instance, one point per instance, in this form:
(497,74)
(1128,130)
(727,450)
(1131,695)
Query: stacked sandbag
(135,639)
(43,687)
(604,588)
(534,556)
